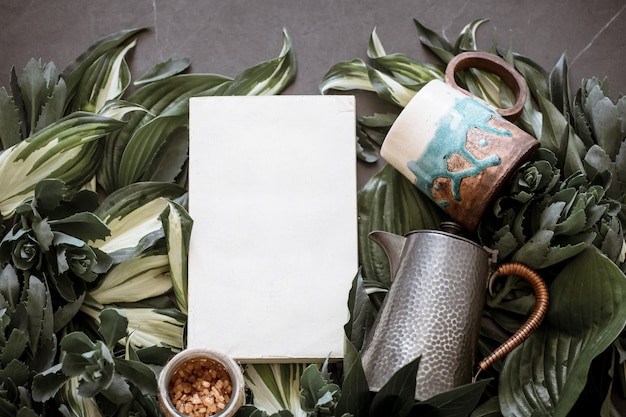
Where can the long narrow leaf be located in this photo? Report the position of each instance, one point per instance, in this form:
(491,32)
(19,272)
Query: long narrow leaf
(56,151)
(269,77)
(177,224)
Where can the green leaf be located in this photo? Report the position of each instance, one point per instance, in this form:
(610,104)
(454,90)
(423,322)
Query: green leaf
(177,224)
(559,86)
(355,395)
(317,395)
(346,76)
(61,151)
(73,72)
(146,141)
(169,96)
(457,402)
(490,408)
(14,347)
(76,342)
(397,396)
(164,69)
(438,45)
(46,384)
(105,79)
(139,374)
(362,313)
(113,326)
(467,38)
(138,278)
(133,216)
(269,77)
(10,132)
(36,85)
(548,371)
(84,226)
(36,299)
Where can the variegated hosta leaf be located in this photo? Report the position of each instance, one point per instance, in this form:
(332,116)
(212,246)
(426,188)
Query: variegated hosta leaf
(548,372)
(269,77)
(132,214)
(74,72)
(147,326)
(136,279)
(106,79)
(164,70)
(58,151)
(275,387)
(402,67)
(77,404)
(346,76)
(168,98)
(177,224)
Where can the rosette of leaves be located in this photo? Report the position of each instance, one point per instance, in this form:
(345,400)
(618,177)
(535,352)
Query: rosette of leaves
(48,240)
(562,213)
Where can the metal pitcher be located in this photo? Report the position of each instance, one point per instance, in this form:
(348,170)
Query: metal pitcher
(433,309)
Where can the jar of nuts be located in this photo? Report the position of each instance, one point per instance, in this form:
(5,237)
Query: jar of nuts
(201,383)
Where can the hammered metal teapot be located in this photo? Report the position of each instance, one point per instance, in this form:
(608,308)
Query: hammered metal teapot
(434,306)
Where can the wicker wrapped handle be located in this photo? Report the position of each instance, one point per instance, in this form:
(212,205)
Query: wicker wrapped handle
(497,66)
(541,306)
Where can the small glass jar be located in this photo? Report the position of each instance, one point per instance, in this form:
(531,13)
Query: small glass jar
(177,366)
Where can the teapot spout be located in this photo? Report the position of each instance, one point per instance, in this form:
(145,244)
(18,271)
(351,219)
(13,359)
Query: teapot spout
(392,245)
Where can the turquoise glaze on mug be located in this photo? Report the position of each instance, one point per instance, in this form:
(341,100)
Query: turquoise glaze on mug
(449,138)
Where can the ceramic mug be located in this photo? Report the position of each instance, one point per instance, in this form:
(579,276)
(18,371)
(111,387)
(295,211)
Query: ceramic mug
(454,147)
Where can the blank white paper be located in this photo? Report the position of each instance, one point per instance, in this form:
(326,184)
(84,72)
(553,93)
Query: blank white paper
(273,251)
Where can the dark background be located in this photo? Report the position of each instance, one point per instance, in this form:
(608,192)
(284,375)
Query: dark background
(228,36)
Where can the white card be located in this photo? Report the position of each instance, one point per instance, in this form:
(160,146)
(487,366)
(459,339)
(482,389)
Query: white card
(272,192)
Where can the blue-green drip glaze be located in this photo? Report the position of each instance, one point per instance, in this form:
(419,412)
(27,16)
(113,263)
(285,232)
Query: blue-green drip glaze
(450,137)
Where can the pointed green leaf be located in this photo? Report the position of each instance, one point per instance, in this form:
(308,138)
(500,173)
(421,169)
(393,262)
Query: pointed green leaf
(548,371)
(54,107)
(85,226)
(346,76)
(134,232)
(438,45)
(467,38)
(10,132)
(107,78)
(139,374)
(164,69)
(35,307)
(355,395)
(138,278)
(397,396)
(169,96)
(36,85)
(457,402)
(171,158)
(145,142)
(113,325)
(178,224)
(74,71)
(59,151)
(559,86)
(269,77)
(46,384)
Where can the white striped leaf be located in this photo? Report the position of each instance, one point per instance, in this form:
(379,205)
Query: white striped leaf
(177,224)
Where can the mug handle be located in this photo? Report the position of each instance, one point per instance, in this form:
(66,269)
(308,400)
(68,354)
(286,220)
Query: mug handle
(541,306)
(499,67)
